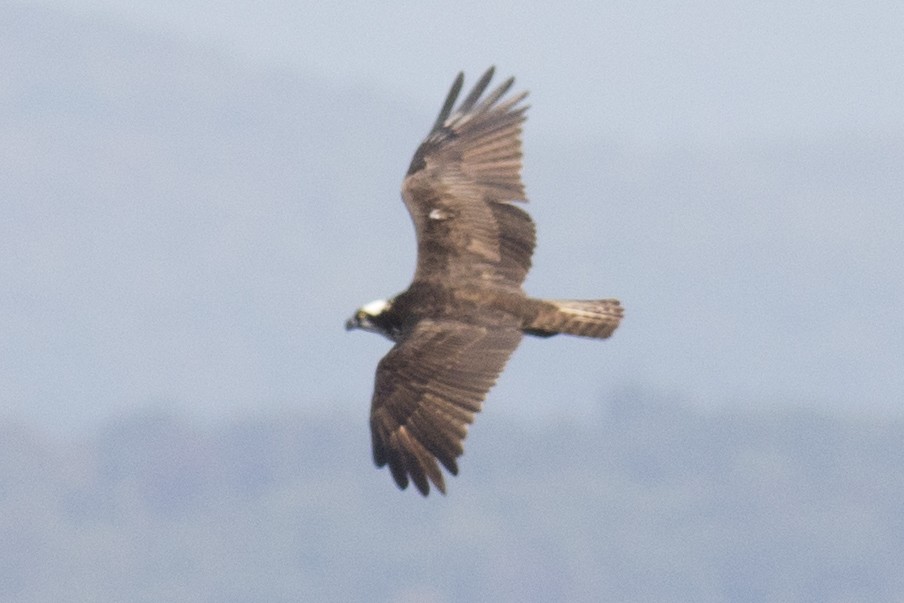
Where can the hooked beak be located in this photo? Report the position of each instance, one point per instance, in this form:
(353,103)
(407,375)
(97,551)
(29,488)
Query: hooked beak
(352,323)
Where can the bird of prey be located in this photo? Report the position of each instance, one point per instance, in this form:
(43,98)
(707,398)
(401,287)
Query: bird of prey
(465,311)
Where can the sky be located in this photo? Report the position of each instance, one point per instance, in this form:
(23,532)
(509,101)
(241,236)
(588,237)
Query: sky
(730,172)
(641,71)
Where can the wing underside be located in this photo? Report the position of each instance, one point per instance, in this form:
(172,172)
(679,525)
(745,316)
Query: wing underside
(460,188)
(428,389)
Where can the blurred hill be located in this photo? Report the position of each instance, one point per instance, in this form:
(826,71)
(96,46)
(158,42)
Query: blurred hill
(651,502)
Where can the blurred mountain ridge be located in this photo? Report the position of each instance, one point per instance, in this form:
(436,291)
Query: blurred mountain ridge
(650,501)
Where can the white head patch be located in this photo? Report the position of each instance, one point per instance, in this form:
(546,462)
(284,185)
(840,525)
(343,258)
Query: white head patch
(376,307)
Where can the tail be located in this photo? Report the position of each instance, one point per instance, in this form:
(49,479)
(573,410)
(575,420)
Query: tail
(587,318)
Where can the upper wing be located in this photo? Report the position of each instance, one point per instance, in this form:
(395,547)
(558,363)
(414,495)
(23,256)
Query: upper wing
(428,388)
(460,186)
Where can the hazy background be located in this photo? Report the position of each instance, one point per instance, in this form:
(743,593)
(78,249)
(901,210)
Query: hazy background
(195,195)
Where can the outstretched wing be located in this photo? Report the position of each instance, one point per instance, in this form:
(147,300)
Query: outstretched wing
(460,187)
(428,389)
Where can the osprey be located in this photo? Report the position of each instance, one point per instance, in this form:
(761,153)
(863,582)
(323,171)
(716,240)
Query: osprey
(465,312)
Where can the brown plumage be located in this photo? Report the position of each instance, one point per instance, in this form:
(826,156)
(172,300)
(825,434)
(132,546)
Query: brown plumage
(465,312)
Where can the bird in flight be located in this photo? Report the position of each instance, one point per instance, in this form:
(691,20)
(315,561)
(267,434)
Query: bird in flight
(465,311)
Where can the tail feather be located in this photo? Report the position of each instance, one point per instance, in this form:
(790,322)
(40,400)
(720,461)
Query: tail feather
(587,318)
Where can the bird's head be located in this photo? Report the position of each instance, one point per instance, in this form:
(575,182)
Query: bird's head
(372,317)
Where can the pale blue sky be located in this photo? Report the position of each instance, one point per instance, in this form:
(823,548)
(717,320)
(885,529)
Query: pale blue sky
(731,172)
(642,70)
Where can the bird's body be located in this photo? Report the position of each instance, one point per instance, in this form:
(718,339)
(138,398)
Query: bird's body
(465,312)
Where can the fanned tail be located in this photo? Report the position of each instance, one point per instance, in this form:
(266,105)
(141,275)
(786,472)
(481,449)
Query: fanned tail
(586,318)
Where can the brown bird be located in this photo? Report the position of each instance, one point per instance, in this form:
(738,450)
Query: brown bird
(464,314)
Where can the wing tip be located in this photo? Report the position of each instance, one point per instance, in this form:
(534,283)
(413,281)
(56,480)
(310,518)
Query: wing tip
(410,462)
(449,103)
(473,101)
